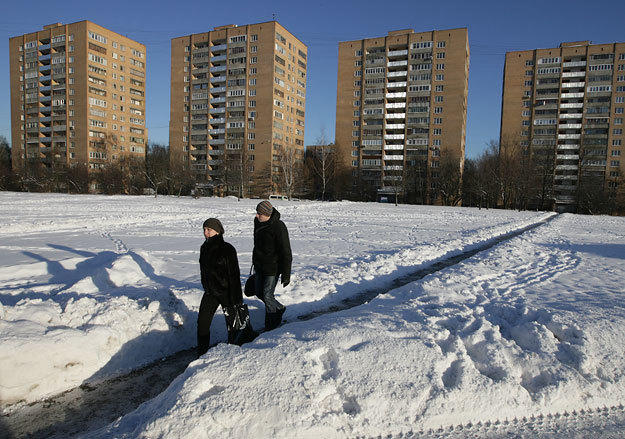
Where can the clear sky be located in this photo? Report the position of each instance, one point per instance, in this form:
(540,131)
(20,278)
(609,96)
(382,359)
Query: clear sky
(495,27)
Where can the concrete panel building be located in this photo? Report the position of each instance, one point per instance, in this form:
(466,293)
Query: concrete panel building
(565,108)
(77,97)
(238,97)
(401,109)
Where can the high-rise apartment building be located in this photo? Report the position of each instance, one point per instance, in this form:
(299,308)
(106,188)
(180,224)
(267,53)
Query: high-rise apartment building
(77,97)
(401,109)
(565,107)
(238,97)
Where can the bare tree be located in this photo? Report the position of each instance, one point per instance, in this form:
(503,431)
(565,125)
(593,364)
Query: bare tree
(6,176)
(323,161)
(290,166)
(156,166)
(450,181)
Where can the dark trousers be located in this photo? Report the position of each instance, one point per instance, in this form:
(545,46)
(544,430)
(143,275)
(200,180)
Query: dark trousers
(265,286)
(208,306)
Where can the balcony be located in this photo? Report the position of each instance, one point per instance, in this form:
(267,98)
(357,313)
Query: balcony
(570,126)
(568,136)
(395,126)
(571,116)
(395,95)
(217,110)
(218,58)
(572,95)
(219,48)
(402,73)
(393,147)
(44,58)
(217,121)
(45,79)
(573,74)
(217,69)
(216,142)
(574,64)
(45,68)
(396,105)
(567,147)
(401,84)
(217,100)
(216,131)
(393,53)
(217,79)
(567,157)
(396,115)
(573,84)
(572,105)
(216,90)
(393,157)
(393,168)
(32,140)
(393,136)
(567,167)
(44,47)
(213,152)
(397,63)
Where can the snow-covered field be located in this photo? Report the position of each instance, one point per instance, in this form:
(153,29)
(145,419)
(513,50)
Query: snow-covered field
(94,286)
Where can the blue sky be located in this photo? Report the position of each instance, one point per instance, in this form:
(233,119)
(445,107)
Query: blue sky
(495,27)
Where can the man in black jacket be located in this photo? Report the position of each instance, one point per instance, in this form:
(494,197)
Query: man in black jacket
(272,260)
(221,279)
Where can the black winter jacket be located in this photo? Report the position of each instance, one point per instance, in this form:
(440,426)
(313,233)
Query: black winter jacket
(219,268)
(272,249)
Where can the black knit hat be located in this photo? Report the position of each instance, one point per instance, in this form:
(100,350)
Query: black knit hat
(264,208)
(215,224)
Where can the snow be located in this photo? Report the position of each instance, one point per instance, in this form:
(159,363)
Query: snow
(94,286)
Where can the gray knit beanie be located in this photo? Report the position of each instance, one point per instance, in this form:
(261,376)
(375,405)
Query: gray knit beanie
(264,208)
(215,224)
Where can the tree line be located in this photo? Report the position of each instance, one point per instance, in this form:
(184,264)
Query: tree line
(503,176)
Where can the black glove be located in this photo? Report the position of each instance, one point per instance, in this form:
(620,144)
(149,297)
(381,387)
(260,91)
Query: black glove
(285,282)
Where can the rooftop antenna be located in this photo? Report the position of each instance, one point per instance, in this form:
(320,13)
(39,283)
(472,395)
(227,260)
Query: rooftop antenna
(273,16)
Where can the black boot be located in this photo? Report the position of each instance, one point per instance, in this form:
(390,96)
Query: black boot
(273,319)
(203,342)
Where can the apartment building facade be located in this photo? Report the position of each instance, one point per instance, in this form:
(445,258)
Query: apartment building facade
(77,97)
(238,97)
(401,109)
(565,108)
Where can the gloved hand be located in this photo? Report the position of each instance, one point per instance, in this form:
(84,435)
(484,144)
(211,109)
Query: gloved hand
(285,282)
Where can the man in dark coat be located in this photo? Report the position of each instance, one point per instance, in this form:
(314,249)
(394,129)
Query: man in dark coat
(221,279)
(272,260)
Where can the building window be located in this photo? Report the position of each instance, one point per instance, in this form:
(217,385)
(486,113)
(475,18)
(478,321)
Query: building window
(439,87)
(440,44)
(440,77)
